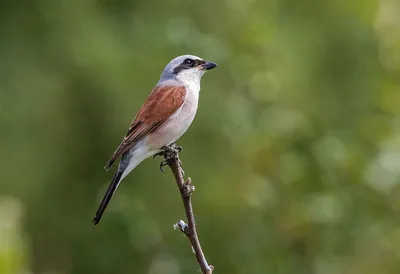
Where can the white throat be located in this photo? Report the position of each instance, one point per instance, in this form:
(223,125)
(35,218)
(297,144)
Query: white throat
(191,78)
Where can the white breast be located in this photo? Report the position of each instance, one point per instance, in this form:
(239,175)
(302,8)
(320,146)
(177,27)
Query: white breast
(178,123)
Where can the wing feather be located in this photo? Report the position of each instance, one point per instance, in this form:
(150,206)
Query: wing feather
(161,104)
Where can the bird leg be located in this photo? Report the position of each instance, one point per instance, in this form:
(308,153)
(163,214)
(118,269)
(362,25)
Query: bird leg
(169,153)
(175,147)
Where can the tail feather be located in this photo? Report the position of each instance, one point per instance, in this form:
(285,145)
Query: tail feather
(107,197)
(109,164)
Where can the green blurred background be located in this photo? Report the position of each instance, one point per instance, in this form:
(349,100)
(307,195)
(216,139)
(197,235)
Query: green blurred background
(295,151)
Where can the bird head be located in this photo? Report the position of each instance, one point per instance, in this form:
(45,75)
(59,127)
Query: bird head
(186,69)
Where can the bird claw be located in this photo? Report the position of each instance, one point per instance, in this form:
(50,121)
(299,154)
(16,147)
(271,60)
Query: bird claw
(174,148)
(178,148)
(168,152)
(163,164)
(161,153)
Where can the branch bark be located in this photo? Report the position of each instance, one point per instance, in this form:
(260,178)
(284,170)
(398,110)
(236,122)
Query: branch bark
(171,158)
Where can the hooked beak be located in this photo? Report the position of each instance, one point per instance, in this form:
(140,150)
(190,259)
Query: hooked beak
(208,65)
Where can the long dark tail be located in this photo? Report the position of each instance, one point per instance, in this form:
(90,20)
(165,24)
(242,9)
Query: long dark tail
(107,197)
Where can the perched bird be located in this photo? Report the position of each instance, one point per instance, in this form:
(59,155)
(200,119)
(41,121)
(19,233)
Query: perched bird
(163,118)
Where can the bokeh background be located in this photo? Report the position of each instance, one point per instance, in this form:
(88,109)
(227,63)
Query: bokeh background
(295,151)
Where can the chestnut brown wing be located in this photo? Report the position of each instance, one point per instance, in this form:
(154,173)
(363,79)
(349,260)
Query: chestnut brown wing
(160,105)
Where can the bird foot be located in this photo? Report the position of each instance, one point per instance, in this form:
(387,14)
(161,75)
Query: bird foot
(175,147)
(169,153)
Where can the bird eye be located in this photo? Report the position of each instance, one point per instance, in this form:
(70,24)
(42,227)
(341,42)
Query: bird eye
(189,62)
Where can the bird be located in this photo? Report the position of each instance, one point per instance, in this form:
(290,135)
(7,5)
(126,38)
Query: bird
(163,118)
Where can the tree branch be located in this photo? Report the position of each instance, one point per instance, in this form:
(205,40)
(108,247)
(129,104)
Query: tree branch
(171,158)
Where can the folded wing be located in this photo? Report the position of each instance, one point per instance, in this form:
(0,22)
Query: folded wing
(161,104)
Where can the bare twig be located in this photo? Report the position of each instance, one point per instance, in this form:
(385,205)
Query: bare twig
(171,158)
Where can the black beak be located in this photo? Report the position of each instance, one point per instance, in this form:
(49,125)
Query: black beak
(208,65)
